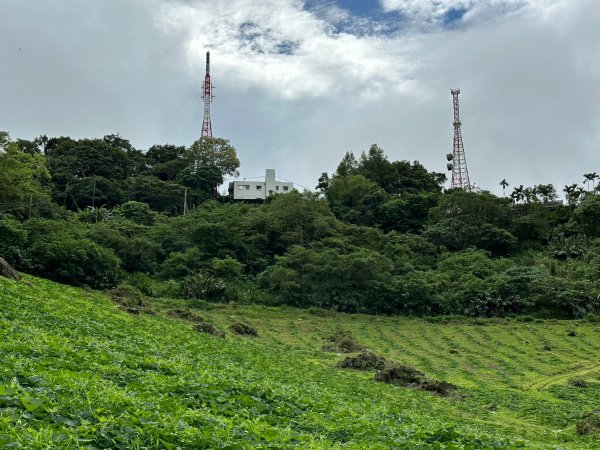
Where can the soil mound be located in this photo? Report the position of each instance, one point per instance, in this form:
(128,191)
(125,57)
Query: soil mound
(7,271)
(400,375)
(589,424)
(343,342)
(363,361)
(204,327)
(130,299)
(243,329)
(185,314)
(410,377)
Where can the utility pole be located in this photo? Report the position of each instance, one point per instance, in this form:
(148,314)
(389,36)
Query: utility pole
(94,194)
(185,209)
(457,161)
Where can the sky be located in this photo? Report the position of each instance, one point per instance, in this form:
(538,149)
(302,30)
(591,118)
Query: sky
(299,83)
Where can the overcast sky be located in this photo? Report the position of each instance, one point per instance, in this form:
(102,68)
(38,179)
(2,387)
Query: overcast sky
(299,83)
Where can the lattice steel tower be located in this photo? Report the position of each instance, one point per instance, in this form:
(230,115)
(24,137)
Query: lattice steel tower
(458,162)
(207,96)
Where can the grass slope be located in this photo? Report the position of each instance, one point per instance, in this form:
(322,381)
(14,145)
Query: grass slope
(77,372)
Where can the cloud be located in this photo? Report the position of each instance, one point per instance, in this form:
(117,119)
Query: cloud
(297,86)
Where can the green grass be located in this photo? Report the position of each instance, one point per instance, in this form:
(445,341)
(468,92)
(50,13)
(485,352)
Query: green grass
(77,372)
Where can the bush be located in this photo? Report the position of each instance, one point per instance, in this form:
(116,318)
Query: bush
(12,239)
(138,212)
(589,424)
(202,286)
(79,262)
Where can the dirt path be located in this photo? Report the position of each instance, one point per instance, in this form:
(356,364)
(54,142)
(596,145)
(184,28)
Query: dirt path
(545,384)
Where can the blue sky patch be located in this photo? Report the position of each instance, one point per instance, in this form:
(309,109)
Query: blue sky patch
(453,16)
(357,17)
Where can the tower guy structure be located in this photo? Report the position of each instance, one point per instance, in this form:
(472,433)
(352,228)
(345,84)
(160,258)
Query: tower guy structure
(457,161)
(207,96)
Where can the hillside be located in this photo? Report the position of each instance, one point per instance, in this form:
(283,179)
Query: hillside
(78,372)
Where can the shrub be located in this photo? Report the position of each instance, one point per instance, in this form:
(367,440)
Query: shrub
(12,239)
(137,212)
(589,424)
(80,262)
(202,286)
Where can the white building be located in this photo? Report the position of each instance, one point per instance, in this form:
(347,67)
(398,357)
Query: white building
(259,190)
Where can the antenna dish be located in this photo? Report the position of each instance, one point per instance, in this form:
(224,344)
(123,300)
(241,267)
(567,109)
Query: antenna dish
(450,166)
(449,156)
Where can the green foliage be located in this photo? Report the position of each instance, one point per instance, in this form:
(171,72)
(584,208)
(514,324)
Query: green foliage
(22,178)
(215,152)
(352,280)
(161,196)
(204,286)
(80,262)
(466,219)
(13,239)
(130,242)
(78,372)
(137,212)
(586,217)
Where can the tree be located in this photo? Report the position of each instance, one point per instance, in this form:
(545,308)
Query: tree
(590,177)
(22,177)
(166,161)
(323,183)
(517,194)
(547,191)
(217,152)
(504,185)
(587,216)
(202,178)
(162,196)
(465,219)
(347,165)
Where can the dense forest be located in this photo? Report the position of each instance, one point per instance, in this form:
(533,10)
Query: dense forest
(377,236)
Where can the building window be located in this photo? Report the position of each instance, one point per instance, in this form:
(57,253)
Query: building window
(276,188)
(258,188)
(285,188)
(240,186)
(270,192)
(247,187)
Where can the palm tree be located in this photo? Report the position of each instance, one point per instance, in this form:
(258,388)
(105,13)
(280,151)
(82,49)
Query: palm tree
(595,176)
(504,185)
(587,177)
(517,194)
(570,191)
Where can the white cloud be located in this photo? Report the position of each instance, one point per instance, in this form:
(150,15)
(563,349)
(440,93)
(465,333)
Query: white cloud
(289,50)
(294,94)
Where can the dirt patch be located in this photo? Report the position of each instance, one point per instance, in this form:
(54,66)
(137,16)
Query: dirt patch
(363,361)
(343,342)
(185,314)
(578,382)
(208,328)
(130,300)
(589,424)
(7,271)
(243,329)
(410,377)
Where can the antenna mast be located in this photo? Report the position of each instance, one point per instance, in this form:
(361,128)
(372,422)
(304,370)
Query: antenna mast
(207,96)
(458,162)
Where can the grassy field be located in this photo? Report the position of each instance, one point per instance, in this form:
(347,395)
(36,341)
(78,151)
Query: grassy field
(78,372)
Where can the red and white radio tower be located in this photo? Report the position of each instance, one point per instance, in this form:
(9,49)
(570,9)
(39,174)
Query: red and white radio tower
(458,162)
(208,96)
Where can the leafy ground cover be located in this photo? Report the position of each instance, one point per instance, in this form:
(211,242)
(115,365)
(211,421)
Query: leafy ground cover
(76,371)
